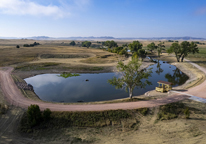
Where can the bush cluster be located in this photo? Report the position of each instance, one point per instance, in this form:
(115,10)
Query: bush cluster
(170,111)
(3,108)
(35,116)
(31,45)
(90,119)
(35,119)
(86,44)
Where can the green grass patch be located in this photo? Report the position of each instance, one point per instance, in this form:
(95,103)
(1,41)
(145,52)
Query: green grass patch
(63,56)
(84,68)
(78,119)
(170,111)
(36,66)
(143,111)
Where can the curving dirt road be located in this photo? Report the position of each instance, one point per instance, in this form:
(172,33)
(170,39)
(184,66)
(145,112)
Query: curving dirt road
(14,96)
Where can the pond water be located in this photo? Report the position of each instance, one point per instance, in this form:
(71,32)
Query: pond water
(75,88)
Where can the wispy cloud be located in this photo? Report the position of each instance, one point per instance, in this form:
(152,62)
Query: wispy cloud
(29,7)
(201,11)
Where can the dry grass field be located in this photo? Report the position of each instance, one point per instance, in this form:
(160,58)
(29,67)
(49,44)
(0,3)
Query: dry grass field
(77,58)
(138,129)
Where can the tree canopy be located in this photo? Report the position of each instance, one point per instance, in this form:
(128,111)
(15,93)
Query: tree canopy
(135,46)
(151,46)
(73,43)
(175,47)
(86,44)
(125,45)
(160,47)
(182,50)
(142,53)
(131,76)
(34,115)
(110,44)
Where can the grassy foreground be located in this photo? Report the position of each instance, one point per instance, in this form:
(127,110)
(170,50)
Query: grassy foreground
(122,126)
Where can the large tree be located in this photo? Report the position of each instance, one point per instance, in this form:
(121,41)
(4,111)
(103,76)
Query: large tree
(142,53)
(160,47)
(135,46)
(151,46)
(73,43)
(187,48)
(86,44)
(110,44)
(182,50)
(131,76)
(175,47)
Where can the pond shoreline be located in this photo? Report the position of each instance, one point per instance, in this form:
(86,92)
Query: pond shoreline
(193,77)
(138,97)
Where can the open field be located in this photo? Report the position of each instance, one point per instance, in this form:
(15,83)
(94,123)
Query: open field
(56,56)
(10,55)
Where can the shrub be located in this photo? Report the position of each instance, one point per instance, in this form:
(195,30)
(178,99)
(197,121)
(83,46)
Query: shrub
(73,43)
(86,44)
(47,114)
(170,111)
(143,111)
(34,115)
(17,46)
(26,45)
(187,113)
(3,109)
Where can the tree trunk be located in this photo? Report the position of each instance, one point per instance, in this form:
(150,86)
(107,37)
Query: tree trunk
(130,93)
(182,58)
(178,59)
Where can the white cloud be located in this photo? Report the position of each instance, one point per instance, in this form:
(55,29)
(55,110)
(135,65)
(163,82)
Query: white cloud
(28,7)
(42,80)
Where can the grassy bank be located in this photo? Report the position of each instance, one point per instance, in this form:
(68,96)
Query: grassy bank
(120,126)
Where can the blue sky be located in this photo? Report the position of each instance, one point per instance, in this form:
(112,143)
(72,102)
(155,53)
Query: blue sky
(118,18)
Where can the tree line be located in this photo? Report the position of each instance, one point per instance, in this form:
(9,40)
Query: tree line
(29,45)
(181,50)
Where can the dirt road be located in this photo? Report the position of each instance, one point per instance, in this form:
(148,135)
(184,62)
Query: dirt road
(14,96)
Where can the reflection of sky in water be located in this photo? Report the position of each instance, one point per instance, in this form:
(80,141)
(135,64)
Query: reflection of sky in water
(50,87)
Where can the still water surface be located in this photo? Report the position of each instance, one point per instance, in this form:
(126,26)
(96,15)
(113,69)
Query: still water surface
(58,88)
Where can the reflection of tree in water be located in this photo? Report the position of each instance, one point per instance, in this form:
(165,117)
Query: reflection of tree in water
(66,75)
(178,78)
(159,70)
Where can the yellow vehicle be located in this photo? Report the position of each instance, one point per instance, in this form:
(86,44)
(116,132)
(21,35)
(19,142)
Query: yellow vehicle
(164,86)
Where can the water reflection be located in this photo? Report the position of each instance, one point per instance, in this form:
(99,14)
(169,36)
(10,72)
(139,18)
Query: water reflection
(66,75)
(177,78)
(69,87)
(159,70)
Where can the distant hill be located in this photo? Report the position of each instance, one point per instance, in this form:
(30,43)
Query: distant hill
(104,38)
(113,38)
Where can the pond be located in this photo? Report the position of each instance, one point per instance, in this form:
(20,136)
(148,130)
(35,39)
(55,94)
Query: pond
(94,87)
